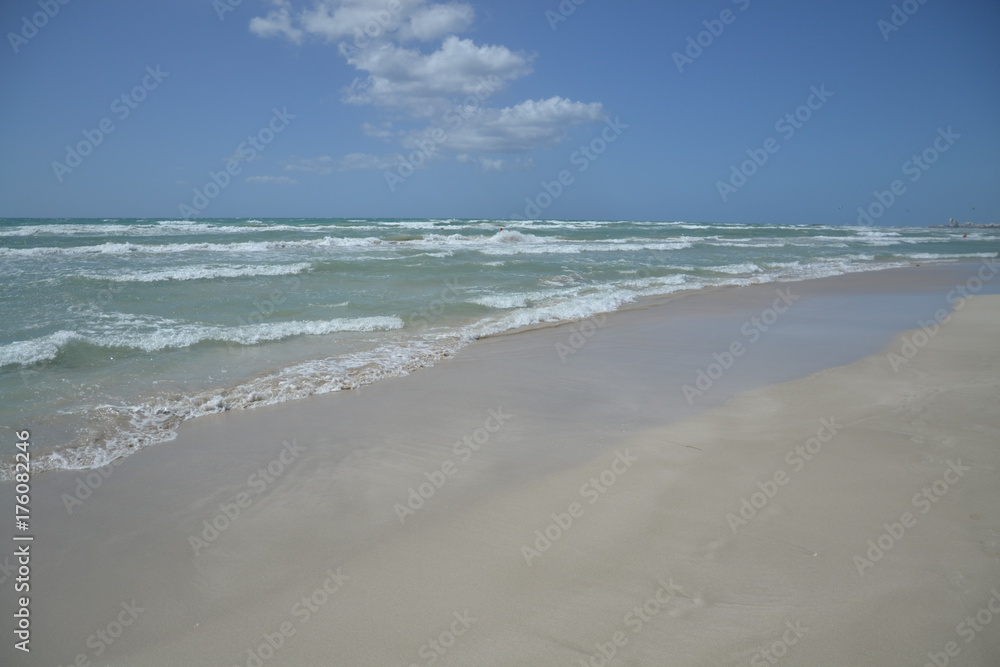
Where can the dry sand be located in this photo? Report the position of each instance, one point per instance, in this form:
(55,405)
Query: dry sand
(795,513)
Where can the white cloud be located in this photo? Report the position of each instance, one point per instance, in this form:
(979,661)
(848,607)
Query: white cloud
(277,23)
(436,21)
(321,165)
(366,161)
(271,180)
(363,21)
(495,165)
(521,128)
(390,44)
(336,20)
(424,84)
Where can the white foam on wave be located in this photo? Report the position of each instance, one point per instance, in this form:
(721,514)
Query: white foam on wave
(748,243)
(412,224)
(515,300)
(875,233)
(42,348)
(204,272)
(128,248)
(501,301)
(951,256)
(737,269)
(560,224)
(878,240)
(577,247)
(151,334)
(513,236)
(186,335)
(506,242)
(66,230)
(687,225)
(161,228)
(184,227)
(156,421)
(441,253)
(580,307)
(662,285)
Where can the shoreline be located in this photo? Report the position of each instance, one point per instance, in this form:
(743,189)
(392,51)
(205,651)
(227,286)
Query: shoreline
(505,434)
(168,422)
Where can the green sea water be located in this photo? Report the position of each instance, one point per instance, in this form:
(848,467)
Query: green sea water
(115,331)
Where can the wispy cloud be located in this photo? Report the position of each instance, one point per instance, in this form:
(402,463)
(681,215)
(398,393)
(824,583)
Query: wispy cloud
(383,132)
(324,164)
(495,165)
(271,180)
(366,161)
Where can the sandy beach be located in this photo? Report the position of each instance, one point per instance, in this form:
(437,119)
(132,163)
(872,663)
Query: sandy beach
(790,473)
(473,333)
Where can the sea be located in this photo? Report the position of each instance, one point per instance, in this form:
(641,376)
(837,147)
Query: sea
(113,332)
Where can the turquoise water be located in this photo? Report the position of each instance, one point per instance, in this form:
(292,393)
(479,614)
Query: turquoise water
(115,331)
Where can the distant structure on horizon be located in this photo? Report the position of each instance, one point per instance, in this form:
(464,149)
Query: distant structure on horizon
(969,225)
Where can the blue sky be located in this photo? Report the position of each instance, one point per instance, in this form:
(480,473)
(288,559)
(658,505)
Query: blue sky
(481,109)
